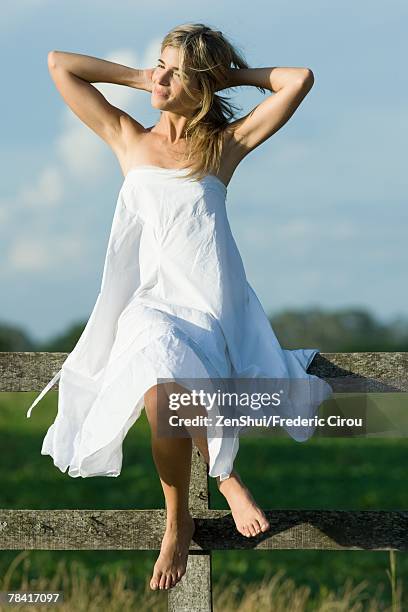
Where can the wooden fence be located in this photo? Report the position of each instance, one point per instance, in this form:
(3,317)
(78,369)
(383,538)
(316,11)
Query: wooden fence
(215,529)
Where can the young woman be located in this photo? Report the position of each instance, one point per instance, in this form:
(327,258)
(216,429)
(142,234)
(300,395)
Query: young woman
(175,301)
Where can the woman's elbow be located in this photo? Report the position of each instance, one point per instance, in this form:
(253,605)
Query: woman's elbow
(308,76)
(52,59)
(305,79)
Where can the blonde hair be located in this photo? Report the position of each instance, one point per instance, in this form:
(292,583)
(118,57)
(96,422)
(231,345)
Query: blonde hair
(208,54)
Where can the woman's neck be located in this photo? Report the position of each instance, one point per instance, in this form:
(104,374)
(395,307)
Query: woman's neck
(171,127)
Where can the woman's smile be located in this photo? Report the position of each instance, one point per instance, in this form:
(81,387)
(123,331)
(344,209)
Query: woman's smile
(159,93)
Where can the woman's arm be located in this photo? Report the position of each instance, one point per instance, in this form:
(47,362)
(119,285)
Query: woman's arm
(96,70)
(290,87)
(73,74)
(264,78)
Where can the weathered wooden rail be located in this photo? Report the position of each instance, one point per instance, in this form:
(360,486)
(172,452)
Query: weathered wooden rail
(215,530)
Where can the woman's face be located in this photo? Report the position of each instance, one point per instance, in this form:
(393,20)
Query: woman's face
(167,92)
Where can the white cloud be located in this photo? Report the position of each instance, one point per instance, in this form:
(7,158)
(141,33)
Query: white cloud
(47,190)
(26,254)
(82,154)
(38,198)
(43,253)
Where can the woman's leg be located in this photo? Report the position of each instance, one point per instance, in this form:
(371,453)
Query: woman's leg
(172,457)
(249,518)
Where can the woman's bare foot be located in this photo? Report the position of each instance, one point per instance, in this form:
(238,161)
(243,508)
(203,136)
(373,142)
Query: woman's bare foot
(249,519)
(172,561)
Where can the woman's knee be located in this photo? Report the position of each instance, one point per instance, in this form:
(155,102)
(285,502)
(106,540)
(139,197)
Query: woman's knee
(155,399)
(154,395)
(159,411)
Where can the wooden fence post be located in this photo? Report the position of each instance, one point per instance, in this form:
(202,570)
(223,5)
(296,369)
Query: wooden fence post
(194,591)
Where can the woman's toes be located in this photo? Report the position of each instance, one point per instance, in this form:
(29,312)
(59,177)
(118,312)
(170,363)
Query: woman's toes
(154,583)
(162,581)
(168,582)
(248,530)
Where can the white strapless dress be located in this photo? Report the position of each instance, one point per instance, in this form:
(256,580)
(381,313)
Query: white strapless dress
(174,303)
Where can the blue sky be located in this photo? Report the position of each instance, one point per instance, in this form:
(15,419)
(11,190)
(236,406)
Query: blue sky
(319,211)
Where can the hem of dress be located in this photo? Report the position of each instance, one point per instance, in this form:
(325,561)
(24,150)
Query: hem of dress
(146,365)
(76,473)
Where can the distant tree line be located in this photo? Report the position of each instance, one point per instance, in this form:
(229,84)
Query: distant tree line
(342,330)
(339,331)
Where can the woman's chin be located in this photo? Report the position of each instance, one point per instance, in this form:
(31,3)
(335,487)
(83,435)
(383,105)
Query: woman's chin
(159,103)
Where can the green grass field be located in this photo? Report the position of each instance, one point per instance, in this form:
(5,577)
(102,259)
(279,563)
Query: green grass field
(322,473)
